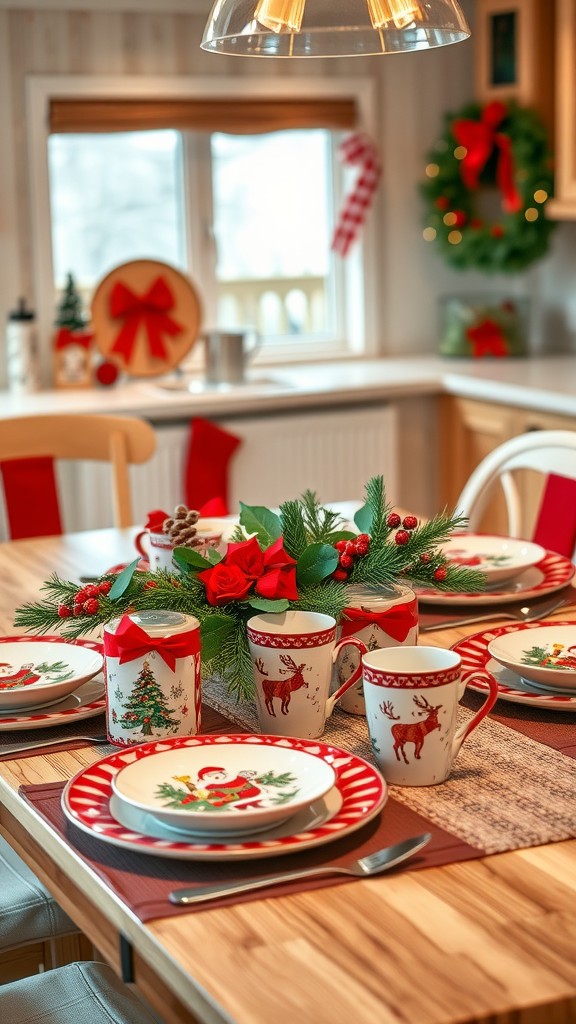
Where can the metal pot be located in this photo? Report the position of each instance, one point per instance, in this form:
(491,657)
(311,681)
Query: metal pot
(227,354)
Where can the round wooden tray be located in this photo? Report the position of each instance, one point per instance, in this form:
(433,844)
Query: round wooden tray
(145,316)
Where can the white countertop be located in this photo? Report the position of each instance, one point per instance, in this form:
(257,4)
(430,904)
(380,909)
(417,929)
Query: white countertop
(546,384)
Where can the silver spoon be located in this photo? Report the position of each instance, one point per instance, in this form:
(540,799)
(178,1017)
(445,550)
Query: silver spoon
(373,864)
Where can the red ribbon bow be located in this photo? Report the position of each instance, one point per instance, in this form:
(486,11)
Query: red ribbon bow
(130,642)
(396,621)
(67,337)
(479,139)
(150,310)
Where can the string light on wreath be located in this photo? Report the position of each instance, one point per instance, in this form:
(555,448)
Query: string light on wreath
(497,148)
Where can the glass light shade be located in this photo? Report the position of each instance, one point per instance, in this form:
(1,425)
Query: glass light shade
(331,28)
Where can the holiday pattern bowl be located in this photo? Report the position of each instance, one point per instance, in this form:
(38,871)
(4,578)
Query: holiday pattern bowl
(501,559)
(34,674)
(545,655)
(230,788)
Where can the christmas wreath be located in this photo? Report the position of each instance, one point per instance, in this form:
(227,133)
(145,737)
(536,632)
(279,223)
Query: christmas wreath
(304,557)
(498,149)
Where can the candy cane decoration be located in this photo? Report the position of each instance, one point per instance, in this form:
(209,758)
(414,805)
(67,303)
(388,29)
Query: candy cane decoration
(357,149)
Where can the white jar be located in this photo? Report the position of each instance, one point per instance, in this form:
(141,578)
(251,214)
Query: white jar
(22,366)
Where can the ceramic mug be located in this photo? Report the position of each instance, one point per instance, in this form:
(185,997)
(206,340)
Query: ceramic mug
(412,696)
(292,658)
(157,548)
(153,680)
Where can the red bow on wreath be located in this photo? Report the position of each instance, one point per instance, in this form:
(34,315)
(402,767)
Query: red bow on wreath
(479,139)
(150,310)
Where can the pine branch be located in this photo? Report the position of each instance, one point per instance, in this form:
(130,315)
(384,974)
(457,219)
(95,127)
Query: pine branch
(328,598)
(376,501)
(293,528)
(234,665)
(319,522)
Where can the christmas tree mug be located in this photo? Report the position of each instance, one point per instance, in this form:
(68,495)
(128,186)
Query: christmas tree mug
(153,678)
(293,654)
(412,696)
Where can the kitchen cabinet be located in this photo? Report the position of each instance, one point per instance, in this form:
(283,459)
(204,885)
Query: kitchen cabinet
(563,206)
(469,430)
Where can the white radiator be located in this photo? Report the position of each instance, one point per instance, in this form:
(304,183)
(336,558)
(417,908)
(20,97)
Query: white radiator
(330,452)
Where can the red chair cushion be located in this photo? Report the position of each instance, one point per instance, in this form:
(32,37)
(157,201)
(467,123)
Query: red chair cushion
(31,497)
(555,526)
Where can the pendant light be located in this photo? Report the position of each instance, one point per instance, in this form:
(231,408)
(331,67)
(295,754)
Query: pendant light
(331,28)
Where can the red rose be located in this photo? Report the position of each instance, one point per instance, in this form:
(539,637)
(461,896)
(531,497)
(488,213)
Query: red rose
(277,583)
(224,583)
(247,556)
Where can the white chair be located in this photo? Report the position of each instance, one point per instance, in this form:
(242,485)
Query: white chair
(79,992)
(549,452)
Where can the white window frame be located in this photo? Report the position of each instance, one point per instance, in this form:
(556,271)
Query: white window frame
(359,266)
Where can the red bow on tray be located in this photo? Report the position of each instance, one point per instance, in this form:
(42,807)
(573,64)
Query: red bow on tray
(149,310)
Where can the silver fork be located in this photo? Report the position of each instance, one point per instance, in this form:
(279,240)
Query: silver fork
(17,748)
(373,864)
(519,612)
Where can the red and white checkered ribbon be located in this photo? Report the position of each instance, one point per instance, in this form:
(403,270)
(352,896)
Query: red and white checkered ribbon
(357,149)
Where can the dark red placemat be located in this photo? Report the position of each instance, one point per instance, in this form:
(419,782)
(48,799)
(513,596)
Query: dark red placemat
(144,882)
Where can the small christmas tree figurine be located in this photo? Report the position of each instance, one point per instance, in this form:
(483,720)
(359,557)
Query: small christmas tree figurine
(72,342)
(146,706)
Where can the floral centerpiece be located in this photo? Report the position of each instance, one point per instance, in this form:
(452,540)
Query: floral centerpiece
(301,557)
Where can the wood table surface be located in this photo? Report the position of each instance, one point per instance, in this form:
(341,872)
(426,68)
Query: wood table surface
(491,940)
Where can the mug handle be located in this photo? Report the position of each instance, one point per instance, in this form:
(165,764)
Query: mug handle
(139,545)
(465,730)
(352,641)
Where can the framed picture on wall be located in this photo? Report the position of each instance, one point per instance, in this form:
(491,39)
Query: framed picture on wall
(514,52)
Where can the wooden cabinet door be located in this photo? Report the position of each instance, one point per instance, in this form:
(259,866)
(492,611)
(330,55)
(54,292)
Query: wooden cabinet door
(563,205)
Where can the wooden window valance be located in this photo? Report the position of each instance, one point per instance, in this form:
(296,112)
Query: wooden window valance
(242,116)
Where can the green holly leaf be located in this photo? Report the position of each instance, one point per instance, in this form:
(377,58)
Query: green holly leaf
(316,563)
(123,580)
(332,538)
(188,559)
(261,521)
(214,631)
(267,604)
(364,518)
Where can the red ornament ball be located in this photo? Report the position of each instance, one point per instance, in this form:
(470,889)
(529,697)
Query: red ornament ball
(393,520)
(107,373)
(440,573)
(409,522)
(402,537)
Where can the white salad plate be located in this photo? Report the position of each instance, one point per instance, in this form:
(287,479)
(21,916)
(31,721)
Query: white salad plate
(37,673)
(358,795)
(235,789)
(500,559)
(87,701)
(512,687)
(551,574)
(546,655)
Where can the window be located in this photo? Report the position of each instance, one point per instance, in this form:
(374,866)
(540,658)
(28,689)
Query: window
(249,212)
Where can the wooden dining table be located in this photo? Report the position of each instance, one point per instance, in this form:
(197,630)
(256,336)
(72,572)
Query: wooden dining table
(492,939)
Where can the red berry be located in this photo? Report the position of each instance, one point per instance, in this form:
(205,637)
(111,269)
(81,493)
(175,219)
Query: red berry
(393,520)
(340,545)
(361,549)
(440,573)
(425,557)
(410,522)
(80,595)
(105,587)
(402,537)
(91,591)
(78,609)
(350,548)
(363,538)
(64,611)
(91,606)
(150,585)
(346,561)
(339,574)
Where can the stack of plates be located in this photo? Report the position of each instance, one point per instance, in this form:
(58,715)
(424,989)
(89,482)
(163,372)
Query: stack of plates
(545,656)
(224,797)
(43,673)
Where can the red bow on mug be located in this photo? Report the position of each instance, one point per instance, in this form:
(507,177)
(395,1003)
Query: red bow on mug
(130,642)
(150,310)
(396,621)
(67,337)
(479,139)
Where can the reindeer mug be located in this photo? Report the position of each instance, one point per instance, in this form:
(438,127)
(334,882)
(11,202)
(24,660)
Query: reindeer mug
(412,696)
(292,658)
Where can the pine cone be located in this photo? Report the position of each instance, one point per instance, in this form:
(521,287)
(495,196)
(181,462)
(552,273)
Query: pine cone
(181,528)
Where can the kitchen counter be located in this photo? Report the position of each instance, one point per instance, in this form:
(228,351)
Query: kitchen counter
(546,384)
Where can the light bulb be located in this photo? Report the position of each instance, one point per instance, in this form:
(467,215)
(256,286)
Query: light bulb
(280,15)
(400,12)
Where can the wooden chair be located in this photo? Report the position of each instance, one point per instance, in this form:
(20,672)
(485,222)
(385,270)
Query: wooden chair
(38,440)
(551,453)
